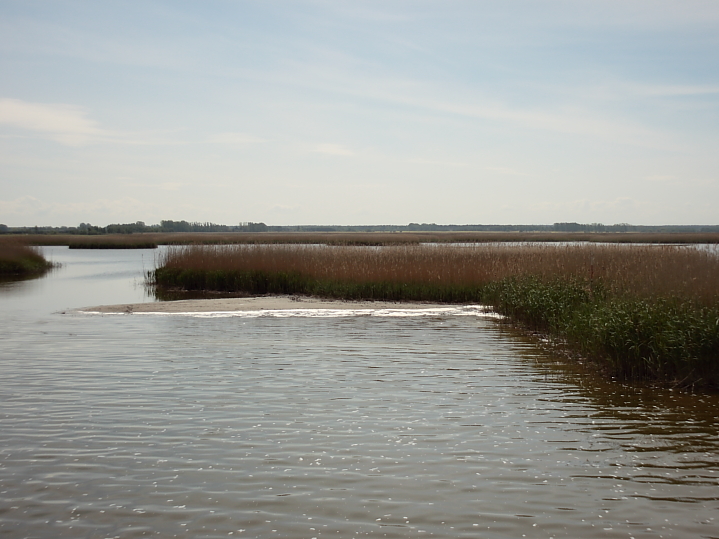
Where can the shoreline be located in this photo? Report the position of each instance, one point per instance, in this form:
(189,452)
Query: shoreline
(257,303)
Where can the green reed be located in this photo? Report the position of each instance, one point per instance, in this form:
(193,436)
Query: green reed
(667,339)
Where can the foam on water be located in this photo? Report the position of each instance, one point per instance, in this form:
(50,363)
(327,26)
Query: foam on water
(480,311)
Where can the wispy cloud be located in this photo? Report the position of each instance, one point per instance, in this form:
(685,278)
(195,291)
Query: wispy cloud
(574,115)
(506,171)
(72,126)
(66,124)
(235,138)
(78,36)
(332,149)
(673,90)
(436,162)
(172,186)
(379,13)
(608,89)
(571,121)
(617,209)
(28,210)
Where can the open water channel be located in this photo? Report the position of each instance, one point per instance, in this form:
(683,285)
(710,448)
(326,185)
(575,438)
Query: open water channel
(392,425)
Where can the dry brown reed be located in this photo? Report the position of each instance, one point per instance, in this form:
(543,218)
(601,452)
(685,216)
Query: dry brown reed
(14,251)
(643,271)
(19,259)
(122,241)
(359,238)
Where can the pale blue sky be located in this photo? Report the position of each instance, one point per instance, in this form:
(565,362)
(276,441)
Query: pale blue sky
(331,112)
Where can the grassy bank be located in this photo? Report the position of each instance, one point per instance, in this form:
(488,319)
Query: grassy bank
(645,313)
(21,261)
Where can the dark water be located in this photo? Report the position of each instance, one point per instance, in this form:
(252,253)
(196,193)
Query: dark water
(325,426)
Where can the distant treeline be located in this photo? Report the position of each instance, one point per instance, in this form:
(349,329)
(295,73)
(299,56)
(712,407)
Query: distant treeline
(185,226)
(86,229)
(556,227)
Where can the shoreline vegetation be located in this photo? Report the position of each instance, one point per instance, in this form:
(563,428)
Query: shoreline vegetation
(150,240)
(640,313)
(18,261)
(112,243)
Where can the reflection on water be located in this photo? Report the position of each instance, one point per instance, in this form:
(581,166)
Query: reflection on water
(84,278)
(363,426)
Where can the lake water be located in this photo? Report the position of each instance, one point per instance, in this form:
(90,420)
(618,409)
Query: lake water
(361,426)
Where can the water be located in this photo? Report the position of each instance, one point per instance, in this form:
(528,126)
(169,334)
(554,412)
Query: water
(362,426)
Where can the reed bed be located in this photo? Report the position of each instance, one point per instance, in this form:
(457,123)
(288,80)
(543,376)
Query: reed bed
(141,240)
(112,243)
(408,238)
(17,260)
(74,241)
(642,312)
(646,271)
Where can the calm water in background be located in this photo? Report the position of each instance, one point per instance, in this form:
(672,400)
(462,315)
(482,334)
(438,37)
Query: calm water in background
(325,426)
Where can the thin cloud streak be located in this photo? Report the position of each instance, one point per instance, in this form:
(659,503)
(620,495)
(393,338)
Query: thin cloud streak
(66,124)
(574,118)
(240,139)
(332,149)
(71,125)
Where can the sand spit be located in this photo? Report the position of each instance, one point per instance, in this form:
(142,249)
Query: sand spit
(263,303)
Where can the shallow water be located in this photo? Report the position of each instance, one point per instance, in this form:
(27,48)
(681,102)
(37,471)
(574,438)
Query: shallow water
(344,426)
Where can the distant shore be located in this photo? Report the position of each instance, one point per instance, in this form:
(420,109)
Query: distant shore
(150,240)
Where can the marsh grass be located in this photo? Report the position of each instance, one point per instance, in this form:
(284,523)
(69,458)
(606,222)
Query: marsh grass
(642,312)
(112,243)
(139,240)
(107,241)
(18,260)
(641,271)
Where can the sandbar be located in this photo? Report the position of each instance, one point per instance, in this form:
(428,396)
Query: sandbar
(270,303)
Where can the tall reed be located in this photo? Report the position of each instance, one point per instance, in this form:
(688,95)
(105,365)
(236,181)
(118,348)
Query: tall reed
(646,271)
(21,260)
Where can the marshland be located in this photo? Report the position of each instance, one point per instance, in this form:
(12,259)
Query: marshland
(372,422)
(151,239)
(639,312)
(642,313)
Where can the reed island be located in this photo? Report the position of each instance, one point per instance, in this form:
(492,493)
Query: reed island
(20,261)
(641,313)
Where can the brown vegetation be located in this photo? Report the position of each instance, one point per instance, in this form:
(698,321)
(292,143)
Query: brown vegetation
(17,260)
(646,271)
(355,238)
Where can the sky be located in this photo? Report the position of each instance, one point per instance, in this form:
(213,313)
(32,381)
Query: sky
(359,112)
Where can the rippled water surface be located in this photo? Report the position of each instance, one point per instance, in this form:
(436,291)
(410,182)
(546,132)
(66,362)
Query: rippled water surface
(296,426)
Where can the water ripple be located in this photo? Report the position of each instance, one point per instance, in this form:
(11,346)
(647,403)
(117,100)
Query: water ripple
(359,426)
